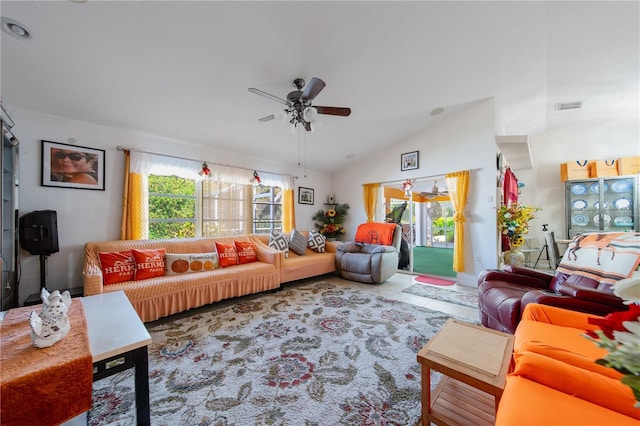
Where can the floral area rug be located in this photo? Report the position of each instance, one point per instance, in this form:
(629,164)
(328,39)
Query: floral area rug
(445,295)
(316,354)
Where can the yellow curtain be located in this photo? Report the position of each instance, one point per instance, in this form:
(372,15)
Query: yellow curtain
(458,185)
(370,196)
(288,211)
(135,220)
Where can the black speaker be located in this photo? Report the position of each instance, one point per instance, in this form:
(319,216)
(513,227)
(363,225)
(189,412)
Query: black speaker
(39,232)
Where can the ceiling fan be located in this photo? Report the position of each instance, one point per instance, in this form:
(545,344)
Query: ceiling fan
(435,192)
(298,108)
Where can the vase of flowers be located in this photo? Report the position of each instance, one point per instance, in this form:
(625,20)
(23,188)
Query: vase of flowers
(513,224)
(329,223)
(619,334)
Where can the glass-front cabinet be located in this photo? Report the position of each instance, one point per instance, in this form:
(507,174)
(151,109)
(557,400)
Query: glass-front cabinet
(604,204)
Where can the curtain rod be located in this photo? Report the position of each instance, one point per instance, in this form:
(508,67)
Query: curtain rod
(121,148)
(421,177)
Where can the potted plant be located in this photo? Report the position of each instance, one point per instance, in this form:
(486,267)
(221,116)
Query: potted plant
(513,223)
(329,223)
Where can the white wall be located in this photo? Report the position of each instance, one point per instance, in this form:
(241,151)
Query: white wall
(85,215)
(544,188)
(465,141)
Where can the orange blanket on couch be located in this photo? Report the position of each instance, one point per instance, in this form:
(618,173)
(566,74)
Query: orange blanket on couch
(49,385)
(375,233)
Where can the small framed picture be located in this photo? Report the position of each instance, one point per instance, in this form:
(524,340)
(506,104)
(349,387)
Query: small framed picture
(72,166)
(305,195)
(409,161)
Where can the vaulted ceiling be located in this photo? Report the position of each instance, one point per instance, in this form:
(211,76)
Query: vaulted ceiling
(181,70)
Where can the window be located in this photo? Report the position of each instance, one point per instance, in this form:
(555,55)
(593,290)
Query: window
(169,199)
(226,208)
(172,207)
(267,209)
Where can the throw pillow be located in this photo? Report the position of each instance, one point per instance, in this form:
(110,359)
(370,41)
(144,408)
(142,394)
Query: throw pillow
(279,242)
(227,254)
(246,251)
(149,263)
(316,242)
(116,267)
(176,264)
(298,243)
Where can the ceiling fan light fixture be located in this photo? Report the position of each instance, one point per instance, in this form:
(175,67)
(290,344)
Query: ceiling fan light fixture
(310,114)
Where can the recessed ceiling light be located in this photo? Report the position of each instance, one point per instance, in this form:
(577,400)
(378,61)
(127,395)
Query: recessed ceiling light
(437,111)
(15,28)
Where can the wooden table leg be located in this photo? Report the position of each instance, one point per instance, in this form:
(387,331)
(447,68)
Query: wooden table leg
(426,395)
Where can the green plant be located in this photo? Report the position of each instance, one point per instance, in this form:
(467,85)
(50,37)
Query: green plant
(329,223)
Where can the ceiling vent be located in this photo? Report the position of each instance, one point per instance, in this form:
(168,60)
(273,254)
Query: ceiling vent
(569,105)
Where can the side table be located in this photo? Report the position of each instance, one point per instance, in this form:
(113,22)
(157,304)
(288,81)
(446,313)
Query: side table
(474,361)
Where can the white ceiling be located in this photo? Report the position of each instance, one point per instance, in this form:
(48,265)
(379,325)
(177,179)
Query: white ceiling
(181,69)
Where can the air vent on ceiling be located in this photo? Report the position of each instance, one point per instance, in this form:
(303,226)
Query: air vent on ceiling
(569,105)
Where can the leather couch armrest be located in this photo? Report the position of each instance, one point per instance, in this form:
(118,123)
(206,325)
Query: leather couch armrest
(564,301)
(591,295)
(534,281)
(529,272)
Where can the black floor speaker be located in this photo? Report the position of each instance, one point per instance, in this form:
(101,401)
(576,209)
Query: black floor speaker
(39,232)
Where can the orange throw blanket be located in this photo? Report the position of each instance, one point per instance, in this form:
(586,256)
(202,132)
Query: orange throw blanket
(44,386)
(375,233)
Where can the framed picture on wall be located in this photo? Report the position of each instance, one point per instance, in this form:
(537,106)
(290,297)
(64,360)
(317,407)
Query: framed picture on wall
(72,166)
(305,195)
(409,161)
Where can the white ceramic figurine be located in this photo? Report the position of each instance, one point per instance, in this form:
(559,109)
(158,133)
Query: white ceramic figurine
(52,324)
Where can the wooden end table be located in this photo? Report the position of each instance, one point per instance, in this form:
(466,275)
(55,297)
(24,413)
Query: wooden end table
(474,361)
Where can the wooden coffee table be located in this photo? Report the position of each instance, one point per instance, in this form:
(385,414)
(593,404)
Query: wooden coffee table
(474,362)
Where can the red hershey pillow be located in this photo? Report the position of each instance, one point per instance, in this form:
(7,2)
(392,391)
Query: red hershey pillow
(246,251)
(149,263)
(116,267)
(227,254)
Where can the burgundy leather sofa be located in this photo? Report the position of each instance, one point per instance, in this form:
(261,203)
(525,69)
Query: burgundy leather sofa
(502,295)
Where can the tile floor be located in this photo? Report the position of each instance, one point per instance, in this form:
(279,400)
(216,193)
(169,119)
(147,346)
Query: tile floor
(392,289)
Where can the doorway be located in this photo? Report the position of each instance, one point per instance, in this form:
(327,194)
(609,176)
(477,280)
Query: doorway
(428,229)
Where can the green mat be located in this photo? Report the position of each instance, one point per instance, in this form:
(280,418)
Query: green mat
(433,261)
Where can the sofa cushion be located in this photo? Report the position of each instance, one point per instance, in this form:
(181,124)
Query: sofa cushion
(279,242)
(246,251)
(178,263)
(528,403)
(298,243)
(149,263)
(317,242)
(227,254)
(117,266)
(596,388)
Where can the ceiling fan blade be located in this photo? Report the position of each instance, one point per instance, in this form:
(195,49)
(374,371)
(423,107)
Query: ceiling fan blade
(267,118)
(268,96)
(344,112)
(312,89)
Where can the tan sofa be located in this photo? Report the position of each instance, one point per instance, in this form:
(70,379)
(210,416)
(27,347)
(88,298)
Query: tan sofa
(296,267)
(158,297)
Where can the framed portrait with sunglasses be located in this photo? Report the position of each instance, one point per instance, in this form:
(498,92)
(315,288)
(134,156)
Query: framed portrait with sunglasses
(72,166)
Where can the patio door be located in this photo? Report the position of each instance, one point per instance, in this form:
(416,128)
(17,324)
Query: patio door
(427,227)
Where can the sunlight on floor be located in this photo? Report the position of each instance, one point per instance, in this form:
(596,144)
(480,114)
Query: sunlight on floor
(392,289)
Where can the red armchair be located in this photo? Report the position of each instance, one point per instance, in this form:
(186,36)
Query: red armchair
(503,295)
